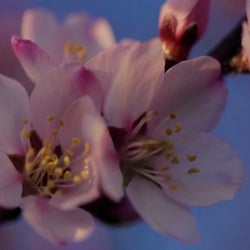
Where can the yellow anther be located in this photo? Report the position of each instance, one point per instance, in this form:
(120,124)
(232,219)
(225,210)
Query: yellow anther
(30,153)
(178,127)
(75,140)
(168,131)
(45,151)
(174,187)
(67,175)
(192,157)
(25,133)
(51,184)
(193,171)
(69,152)
(28,167)
(77,179)
(76,50)
(25,122)
(66,161)
(169,154)
(169,144)
(168,177)
(58,193)
(46,191)
(50,118)
(175,159)
(172,115)
(85,174)
(61,123)
(86,148)
(165,168)
(47,143)
(58,172)
(54,132)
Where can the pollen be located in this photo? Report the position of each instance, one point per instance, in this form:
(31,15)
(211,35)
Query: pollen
(77,179)
(86,148)
(169,131)
(66,161)
(54,132)
(76,140)
(28,167)
(85,174)
(172,116)
(50,118)
(25,133)
(69,152)
(30,153)
(165,168)
(67,175)
(51,184)
(174,187)
(76,50)
(175,159)
(178,127)
(192,157)
(58,172)
(58,193)
(61,123)
(193,171)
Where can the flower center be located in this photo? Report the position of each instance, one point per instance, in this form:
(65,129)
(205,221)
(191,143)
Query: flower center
(48,170)
(142,154)
(75,51)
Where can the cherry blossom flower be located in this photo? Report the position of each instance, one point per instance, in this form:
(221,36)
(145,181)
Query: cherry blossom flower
(181,24)
(79,38)
(51,146)
(159,124)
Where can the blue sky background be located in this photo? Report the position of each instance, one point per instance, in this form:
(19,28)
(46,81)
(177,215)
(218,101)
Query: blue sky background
(225,226)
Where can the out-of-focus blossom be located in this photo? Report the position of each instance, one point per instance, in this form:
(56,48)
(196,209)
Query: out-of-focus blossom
(158,125)
(9,65)
(181,24)
(79,38)
(50,148)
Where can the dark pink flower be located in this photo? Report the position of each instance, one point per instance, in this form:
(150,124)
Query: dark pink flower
(159,123)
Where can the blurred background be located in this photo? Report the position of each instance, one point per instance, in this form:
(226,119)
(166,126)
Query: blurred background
(225,226)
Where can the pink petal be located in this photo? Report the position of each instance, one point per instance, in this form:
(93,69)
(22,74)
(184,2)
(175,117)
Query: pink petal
(102,33)
(57,90)
(41,27)
(194,91)
(35,61)
(14,108)
(83,121)
(57,226)
(10,184)
(246,39)
(221,171)
(132,74)
(161,212)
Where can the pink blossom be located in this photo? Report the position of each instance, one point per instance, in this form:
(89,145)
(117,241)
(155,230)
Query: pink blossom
(181,24)
(159,122)
(79,38)
(51,146)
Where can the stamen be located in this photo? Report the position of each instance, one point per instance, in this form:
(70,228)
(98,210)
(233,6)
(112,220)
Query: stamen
(58,172)
(193,170)
(172,116)
(168,177)
(50,118)
(175,159)
(163,169)
(169,131)
(76,140)
(67,175)
(192,157)
(25,133)
(178,127)
(77,179)
(174,187)
(85,174)
(66,161)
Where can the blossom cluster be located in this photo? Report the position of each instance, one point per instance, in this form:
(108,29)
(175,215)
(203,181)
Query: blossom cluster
(124,121)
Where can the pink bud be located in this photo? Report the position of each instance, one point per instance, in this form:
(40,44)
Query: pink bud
(181,24)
